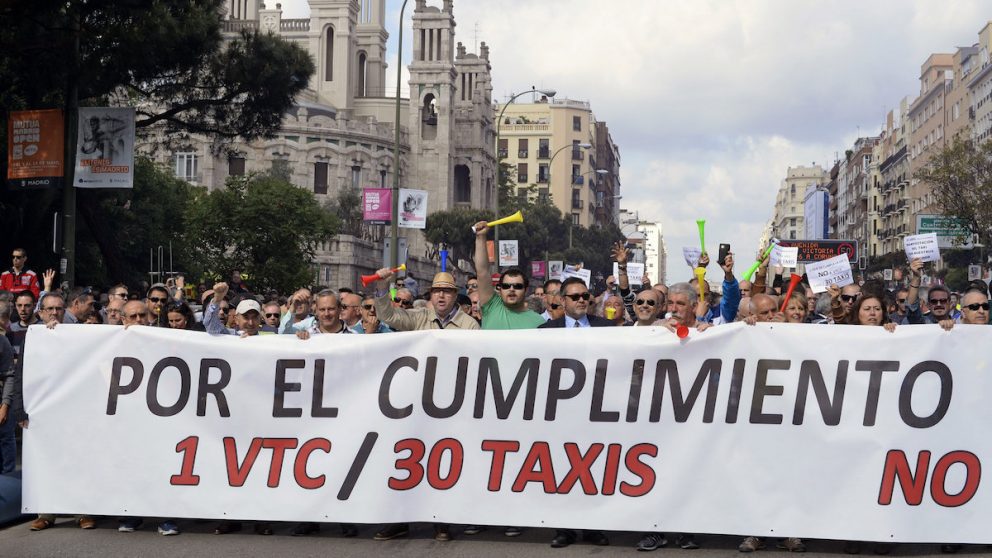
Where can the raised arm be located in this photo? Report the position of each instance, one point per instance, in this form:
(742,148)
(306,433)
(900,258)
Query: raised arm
(481,259)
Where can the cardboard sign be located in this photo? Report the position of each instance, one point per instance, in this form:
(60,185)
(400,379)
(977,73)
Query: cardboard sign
(554,269)
(691,256)
(835,271)
(782,256)
(635,271)
(571,271)
(923,246)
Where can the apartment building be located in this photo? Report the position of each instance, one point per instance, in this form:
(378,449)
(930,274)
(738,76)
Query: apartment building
(789,221)
(552,144)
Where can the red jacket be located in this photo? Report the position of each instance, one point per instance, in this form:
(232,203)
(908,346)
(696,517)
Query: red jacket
(14,282)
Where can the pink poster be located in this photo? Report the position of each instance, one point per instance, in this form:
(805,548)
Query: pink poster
(377,205)
(538,269)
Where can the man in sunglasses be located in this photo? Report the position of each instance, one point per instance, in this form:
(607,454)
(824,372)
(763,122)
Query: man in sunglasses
(17,278)
(370,320)
(271,313)
(157,298)
(576,297)
(840,305)
(647,307)
(938,299)
(509,309)
(403,299)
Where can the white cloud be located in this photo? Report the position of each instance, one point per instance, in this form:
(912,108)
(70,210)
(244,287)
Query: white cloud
(711,100)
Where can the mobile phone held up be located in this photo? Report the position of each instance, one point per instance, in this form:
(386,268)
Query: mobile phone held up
(724,250)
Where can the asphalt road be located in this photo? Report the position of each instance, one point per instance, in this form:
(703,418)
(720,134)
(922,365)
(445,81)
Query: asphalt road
(197,539)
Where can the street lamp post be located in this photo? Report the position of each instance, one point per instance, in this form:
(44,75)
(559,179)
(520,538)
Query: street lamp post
(499,122)
(394,233)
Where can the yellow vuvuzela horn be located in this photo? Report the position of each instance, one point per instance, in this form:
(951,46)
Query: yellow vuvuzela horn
(517,217)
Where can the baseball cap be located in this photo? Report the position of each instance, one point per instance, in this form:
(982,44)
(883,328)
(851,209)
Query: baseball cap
(247,305)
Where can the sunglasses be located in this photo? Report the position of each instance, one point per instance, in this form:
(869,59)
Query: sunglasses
(939,300)
(16,257)
(514,286)
(156,299)
(272,314)
(901,300)
(404,302)
(849,298)
(368,306)
(974,307)
(122,295)
(578,297)
(554,306)
(223,309)
(643,301)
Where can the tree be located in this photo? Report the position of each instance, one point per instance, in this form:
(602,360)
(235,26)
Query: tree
(260,225)
(454,228)
(347,207)
(167,58)
(960,175)
(121,226)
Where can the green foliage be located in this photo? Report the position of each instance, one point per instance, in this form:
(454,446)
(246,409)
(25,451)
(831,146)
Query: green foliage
(961,177)
(454,228)
(261,225)
(121,226)
(347,207)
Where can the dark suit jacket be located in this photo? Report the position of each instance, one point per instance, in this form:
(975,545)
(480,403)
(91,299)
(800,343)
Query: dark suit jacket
(594,321)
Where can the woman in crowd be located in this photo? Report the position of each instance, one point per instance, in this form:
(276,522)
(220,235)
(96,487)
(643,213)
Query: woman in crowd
(180,316)
(797,309)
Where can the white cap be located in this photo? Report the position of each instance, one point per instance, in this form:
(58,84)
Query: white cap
(247,305)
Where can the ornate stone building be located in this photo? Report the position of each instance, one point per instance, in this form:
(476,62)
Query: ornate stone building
(340,134)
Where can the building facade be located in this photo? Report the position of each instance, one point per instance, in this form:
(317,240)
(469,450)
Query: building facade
(788,222)
(655,252)
(340,133)
(551,147)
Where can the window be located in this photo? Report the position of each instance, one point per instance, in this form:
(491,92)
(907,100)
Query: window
(521,173)
(320,178)
(792,222)
(236,166)
(543,173)
(576,171)
(502,147)
(575,218)
(792,235)
(522,148)
(185,165)
(329,55)
(543,148)
(361,90)
(356,177)
(382,179)
(577,123)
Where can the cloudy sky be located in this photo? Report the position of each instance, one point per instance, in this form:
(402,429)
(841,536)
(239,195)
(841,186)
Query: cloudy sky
(710,101)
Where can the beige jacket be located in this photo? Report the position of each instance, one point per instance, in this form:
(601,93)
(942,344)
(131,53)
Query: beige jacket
(415,319)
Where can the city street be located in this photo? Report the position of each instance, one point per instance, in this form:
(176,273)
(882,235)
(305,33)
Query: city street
(197,539)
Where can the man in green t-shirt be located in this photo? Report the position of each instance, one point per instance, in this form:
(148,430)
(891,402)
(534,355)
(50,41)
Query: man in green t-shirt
(509,309)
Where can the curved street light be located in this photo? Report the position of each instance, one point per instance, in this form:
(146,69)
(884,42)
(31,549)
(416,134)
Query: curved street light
(499,122)
(394,248)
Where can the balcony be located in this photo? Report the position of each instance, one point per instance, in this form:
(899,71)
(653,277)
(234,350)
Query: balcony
(542,178)
(544,153)
(577,204)
(502,153)
(578,179)
(576,154)
(901,206)
(522,154)
(521,179)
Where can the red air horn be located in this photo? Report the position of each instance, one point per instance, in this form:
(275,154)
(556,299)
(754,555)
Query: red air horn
(369,279)
(793,281)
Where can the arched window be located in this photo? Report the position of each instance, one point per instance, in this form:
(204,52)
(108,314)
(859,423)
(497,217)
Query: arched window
(428,118)
(362,73)
(329,55)
(463,184)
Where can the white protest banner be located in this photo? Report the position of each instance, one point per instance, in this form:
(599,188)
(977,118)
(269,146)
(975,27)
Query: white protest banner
(691,255)
(554,269)
(508,253)
(575,271)
(923,246)
(887,274)
(607,428)
(105,149)
(635,271)
(833,271)
(782,256)
(974,272)
(413,209)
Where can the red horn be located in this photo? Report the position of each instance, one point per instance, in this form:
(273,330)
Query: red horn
(793,281)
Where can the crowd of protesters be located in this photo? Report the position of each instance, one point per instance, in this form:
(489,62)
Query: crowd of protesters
(511,302)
